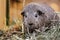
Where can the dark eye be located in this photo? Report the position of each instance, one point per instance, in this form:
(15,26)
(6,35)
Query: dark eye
(36,15)
(39,12)
(25,15)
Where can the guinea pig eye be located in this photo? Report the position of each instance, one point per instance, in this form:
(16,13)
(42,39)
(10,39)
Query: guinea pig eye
(35,15)
(25,15)
(39,12)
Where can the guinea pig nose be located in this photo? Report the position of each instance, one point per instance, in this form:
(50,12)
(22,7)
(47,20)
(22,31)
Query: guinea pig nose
(30,24)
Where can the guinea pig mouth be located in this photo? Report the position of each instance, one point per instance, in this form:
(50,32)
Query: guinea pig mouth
(31,29)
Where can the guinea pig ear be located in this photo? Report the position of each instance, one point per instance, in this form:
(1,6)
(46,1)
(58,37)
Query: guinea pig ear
(22,13)
(39,12)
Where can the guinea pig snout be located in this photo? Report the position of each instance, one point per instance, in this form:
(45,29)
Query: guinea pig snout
(30,21)
(30,24)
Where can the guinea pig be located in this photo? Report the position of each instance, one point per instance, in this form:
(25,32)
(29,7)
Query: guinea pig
(38,16)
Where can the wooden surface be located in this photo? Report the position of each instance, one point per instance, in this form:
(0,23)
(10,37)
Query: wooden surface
(2,13)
